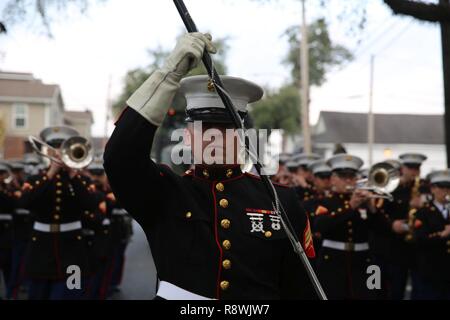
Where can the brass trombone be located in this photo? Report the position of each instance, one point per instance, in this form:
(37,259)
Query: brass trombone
(76,152)
(382,180)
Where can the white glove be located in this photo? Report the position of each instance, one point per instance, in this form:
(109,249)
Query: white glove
(154,97)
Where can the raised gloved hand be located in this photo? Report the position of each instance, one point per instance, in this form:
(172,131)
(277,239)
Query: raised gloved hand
(154,97)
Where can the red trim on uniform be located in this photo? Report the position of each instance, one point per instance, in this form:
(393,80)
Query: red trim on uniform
(308,241)
(259,211)
(216,236)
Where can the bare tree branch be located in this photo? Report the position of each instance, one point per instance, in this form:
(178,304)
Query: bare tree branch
(421,10)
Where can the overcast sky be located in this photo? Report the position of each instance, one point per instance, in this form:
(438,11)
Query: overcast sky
(115,36)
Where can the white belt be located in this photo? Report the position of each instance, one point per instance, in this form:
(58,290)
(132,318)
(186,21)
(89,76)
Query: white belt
(56,227)
(345,246)
(6,216)
(120,212)
(106,222)
(22,211)
(170,291)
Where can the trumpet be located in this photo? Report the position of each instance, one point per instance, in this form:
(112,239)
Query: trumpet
(76,152)
(382,180)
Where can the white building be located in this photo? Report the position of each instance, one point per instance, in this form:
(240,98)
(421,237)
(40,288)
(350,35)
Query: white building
(394,134)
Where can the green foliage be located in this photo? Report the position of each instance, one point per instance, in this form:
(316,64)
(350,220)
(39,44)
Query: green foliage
(278,110)
(323,53)
(19,11)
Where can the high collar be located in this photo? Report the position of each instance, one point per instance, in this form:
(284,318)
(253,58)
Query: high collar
(217,173)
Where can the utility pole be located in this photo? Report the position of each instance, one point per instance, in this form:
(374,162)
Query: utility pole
(370,116)
(108,111)
(445,37)
(304,83)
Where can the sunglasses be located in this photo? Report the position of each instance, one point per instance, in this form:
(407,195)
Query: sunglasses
(442,185)
(412,166)
(346,174)
(321,175)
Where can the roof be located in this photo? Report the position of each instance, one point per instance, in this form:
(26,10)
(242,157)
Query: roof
(346,127)
(24,85)
(79,115)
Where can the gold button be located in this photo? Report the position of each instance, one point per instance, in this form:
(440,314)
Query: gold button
(58,191)
(229,173)
(305,198)
(349,223)
(38,182)
(226,264)
(226,244)
(224,285)
(57,208)
(225,223)
(350,231)
(188,215)
(56,217)
(326,257)
(223,203)
(220,187)
(58,200)
(91,216)
(58,176)
(339,209)
(205,173)
(448,250)
(33,239)
(267,234)
(59,184)
(79,237)
(347,206)
(448,242)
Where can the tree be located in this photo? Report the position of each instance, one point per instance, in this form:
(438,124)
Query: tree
(437,13)
(279,109)
(18,11)
(323,53)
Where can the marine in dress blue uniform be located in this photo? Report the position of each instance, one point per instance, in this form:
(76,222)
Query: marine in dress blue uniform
(213,232)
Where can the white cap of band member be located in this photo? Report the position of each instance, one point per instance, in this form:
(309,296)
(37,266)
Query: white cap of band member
(412,158)
(203,102)
(345,162)
(319,166)
(440,176)
(57,134)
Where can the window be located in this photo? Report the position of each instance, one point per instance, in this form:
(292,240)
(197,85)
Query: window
(20,113)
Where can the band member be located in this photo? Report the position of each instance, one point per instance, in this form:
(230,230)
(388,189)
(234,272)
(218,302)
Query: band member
(344,220)
(432,234)
(213,232)
(6,222)
(302,177)
(98,225)
(58,198)
(22,226)
(321,189)
(408,198)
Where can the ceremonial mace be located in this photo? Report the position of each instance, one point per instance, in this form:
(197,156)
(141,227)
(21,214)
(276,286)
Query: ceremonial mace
(238,123)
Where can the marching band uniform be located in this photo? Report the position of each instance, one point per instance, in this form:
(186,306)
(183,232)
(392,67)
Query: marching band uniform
(345,254)
(433,249)
(213,232)
(401,251)
(7,203)
(56,241)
